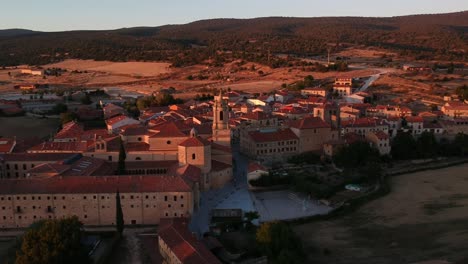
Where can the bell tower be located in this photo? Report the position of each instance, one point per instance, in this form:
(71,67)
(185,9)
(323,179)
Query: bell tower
(221,130)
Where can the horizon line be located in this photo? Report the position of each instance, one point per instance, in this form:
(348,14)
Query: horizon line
(234,18)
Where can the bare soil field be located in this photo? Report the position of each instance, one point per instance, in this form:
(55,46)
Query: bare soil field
(365,53)
(425,217)
(125,68)
(27,127)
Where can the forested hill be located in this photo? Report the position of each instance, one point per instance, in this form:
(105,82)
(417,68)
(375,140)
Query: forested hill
(424,36)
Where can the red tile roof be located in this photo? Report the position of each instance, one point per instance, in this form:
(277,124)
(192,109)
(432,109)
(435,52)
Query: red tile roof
(78,146)
(116,119)
(256,116)
(414,119)
(189,172)
(94,184)
(7,145)
(381,135)
(70,130)
(170,129)
(136,146)
(364,122)
(217,146)
(55,168)
(39,157)
(194,142)
(219,166)
(254,166)
(279,135)
(185,246)
(310,123)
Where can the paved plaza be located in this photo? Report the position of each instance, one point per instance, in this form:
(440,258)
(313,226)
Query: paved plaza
(286,205)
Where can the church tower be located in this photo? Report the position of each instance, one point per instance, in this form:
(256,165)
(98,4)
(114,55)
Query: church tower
(221,130)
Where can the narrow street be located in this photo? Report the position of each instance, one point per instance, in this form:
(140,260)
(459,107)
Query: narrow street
(234,195)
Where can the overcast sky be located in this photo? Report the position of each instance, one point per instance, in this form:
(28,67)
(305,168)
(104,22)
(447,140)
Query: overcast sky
(57,15)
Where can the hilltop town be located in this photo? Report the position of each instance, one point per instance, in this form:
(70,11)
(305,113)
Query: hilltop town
(301,150)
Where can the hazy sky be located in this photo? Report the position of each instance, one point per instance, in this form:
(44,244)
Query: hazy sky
(56,15)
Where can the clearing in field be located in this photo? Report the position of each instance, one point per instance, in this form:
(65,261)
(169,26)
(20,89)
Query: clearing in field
(425,217)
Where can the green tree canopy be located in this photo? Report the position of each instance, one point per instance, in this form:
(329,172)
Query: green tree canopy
(427,145)
(279,242)
(119,219)
(53,242)
(404,146)
(356,155)
(121,170)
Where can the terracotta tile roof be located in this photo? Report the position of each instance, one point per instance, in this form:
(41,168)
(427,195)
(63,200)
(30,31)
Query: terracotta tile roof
(194,142)
(136,146)
(254,166)
(381,135)
(315,89)
(55,168)
(189,172)
(185,246)
(279,135)
(70,130)
(7,145)
(39,157)
(432,125)
(153,164)
(219,166)
(352,137)
(170,129)
(90,134)
(309,123)
(364,122)
(256,116)
(115,119)
(414,119)
(94,185)
(134,130)
(221,147)
(78,146)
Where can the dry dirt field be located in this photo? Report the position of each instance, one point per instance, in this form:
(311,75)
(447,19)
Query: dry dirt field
(27,127)
(125,68)
(425,217)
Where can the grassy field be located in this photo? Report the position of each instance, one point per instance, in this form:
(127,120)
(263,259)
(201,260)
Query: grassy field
(425,217)
(26,127)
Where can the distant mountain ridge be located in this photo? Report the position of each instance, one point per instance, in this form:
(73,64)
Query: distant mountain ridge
(441,34)
(14,32)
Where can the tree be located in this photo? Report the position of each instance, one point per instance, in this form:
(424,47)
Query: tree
(404,146)
(462,92)
(356,155)
(279,242)
(451,68)
(53,241)
(86,100)
(119,220)
(60,108)
(67,117)
(122,156)
(427,145)
(461,143)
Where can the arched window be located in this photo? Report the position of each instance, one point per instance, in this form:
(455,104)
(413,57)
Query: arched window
(221,117)
(193,156)
(137,158)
